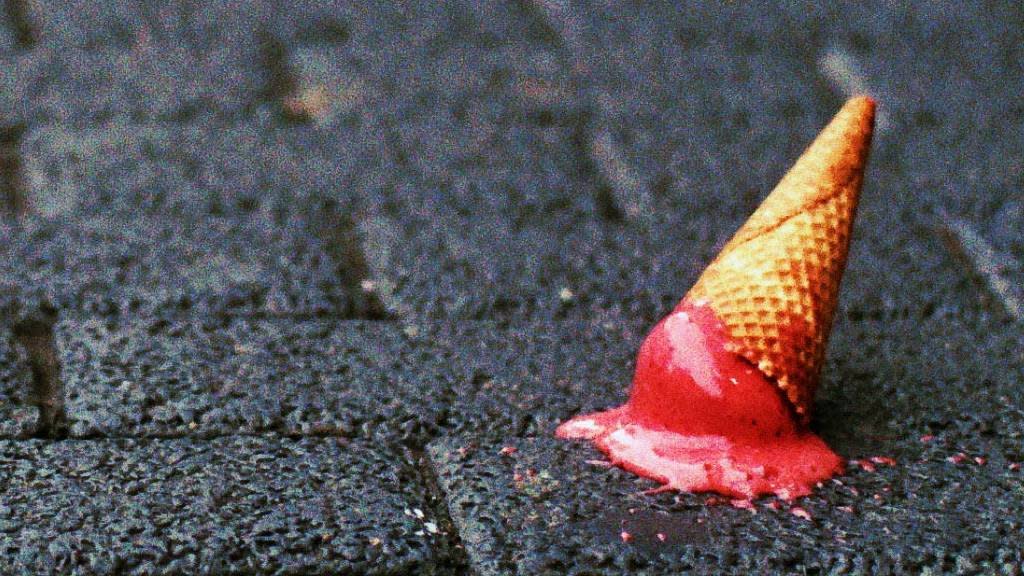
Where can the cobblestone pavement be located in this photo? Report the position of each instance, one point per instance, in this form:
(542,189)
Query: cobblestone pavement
(305,288)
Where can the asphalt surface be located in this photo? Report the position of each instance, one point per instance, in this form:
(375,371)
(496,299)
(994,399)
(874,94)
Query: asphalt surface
(306,288)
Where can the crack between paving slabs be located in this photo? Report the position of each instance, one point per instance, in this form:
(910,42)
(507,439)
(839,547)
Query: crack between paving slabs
(12,185)
(346,248)
(619,194)
(35,336)
(983,264)
(456,560)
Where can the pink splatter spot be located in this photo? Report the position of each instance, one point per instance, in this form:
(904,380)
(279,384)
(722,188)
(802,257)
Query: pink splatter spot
(847,509)
(742,503)
(508,450)
(865,465)
(958,458)
(661,536)
(1014,466)
(883,460)
(980,461)
(927,438)
(800,512)
(626,536)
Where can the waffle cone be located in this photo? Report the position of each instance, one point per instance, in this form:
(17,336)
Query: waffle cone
(775,284)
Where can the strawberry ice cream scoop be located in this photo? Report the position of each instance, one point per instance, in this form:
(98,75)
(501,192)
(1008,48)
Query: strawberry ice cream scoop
(703,419)
(724,385)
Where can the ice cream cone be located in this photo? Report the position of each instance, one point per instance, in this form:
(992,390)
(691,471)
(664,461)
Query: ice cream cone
(724,384)
(775,284)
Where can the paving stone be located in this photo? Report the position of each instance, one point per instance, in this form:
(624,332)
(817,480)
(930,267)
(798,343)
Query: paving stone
(478,249)
(946,83)
(148,83)
(165,60)
(251,166)
(164,83)
(253,505)
(18,414)
(537,506)
(160,378)
(523,379)
(7,35)
(352,378)
(159,218)
(110,267)
(208,26)
(942,81)
(896,348)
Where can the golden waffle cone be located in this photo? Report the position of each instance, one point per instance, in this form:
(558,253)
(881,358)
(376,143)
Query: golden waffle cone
(775,284)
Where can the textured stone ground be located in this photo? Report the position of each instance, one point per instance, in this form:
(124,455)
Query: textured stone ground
(305,288)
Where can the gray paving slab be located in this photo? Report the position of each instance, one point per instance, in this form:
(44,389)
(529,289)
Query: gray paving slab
(947,82)
(241,505)
(933,391)
(155,217)
(165,60)
(151,82)
(512,256)
(82,25)
(110,266)
(245,167)
(17,85)
(160,378)
(943,83)
(538,506)
(524,379)
(912,356)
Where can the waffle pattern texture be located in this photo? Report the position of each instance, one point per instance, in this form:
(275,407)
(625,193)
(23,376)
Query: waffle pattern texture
(775,284)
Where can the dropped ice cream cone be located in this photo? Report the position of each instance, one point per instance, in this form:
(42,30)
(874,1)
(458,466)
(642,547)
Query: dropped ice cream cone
(776,283)
(724,385)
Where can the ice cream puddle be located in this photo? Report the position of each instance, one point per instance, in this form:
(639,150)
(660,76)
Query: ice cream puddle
(724,385)
(701,418)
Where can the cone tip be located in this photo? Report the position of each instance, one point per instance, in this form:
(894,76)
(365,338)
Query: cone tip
(863,100)
(862,107)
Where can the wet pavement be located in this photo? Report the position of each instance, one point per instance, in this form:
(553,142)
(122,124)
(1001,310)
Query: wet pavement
(306,288)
